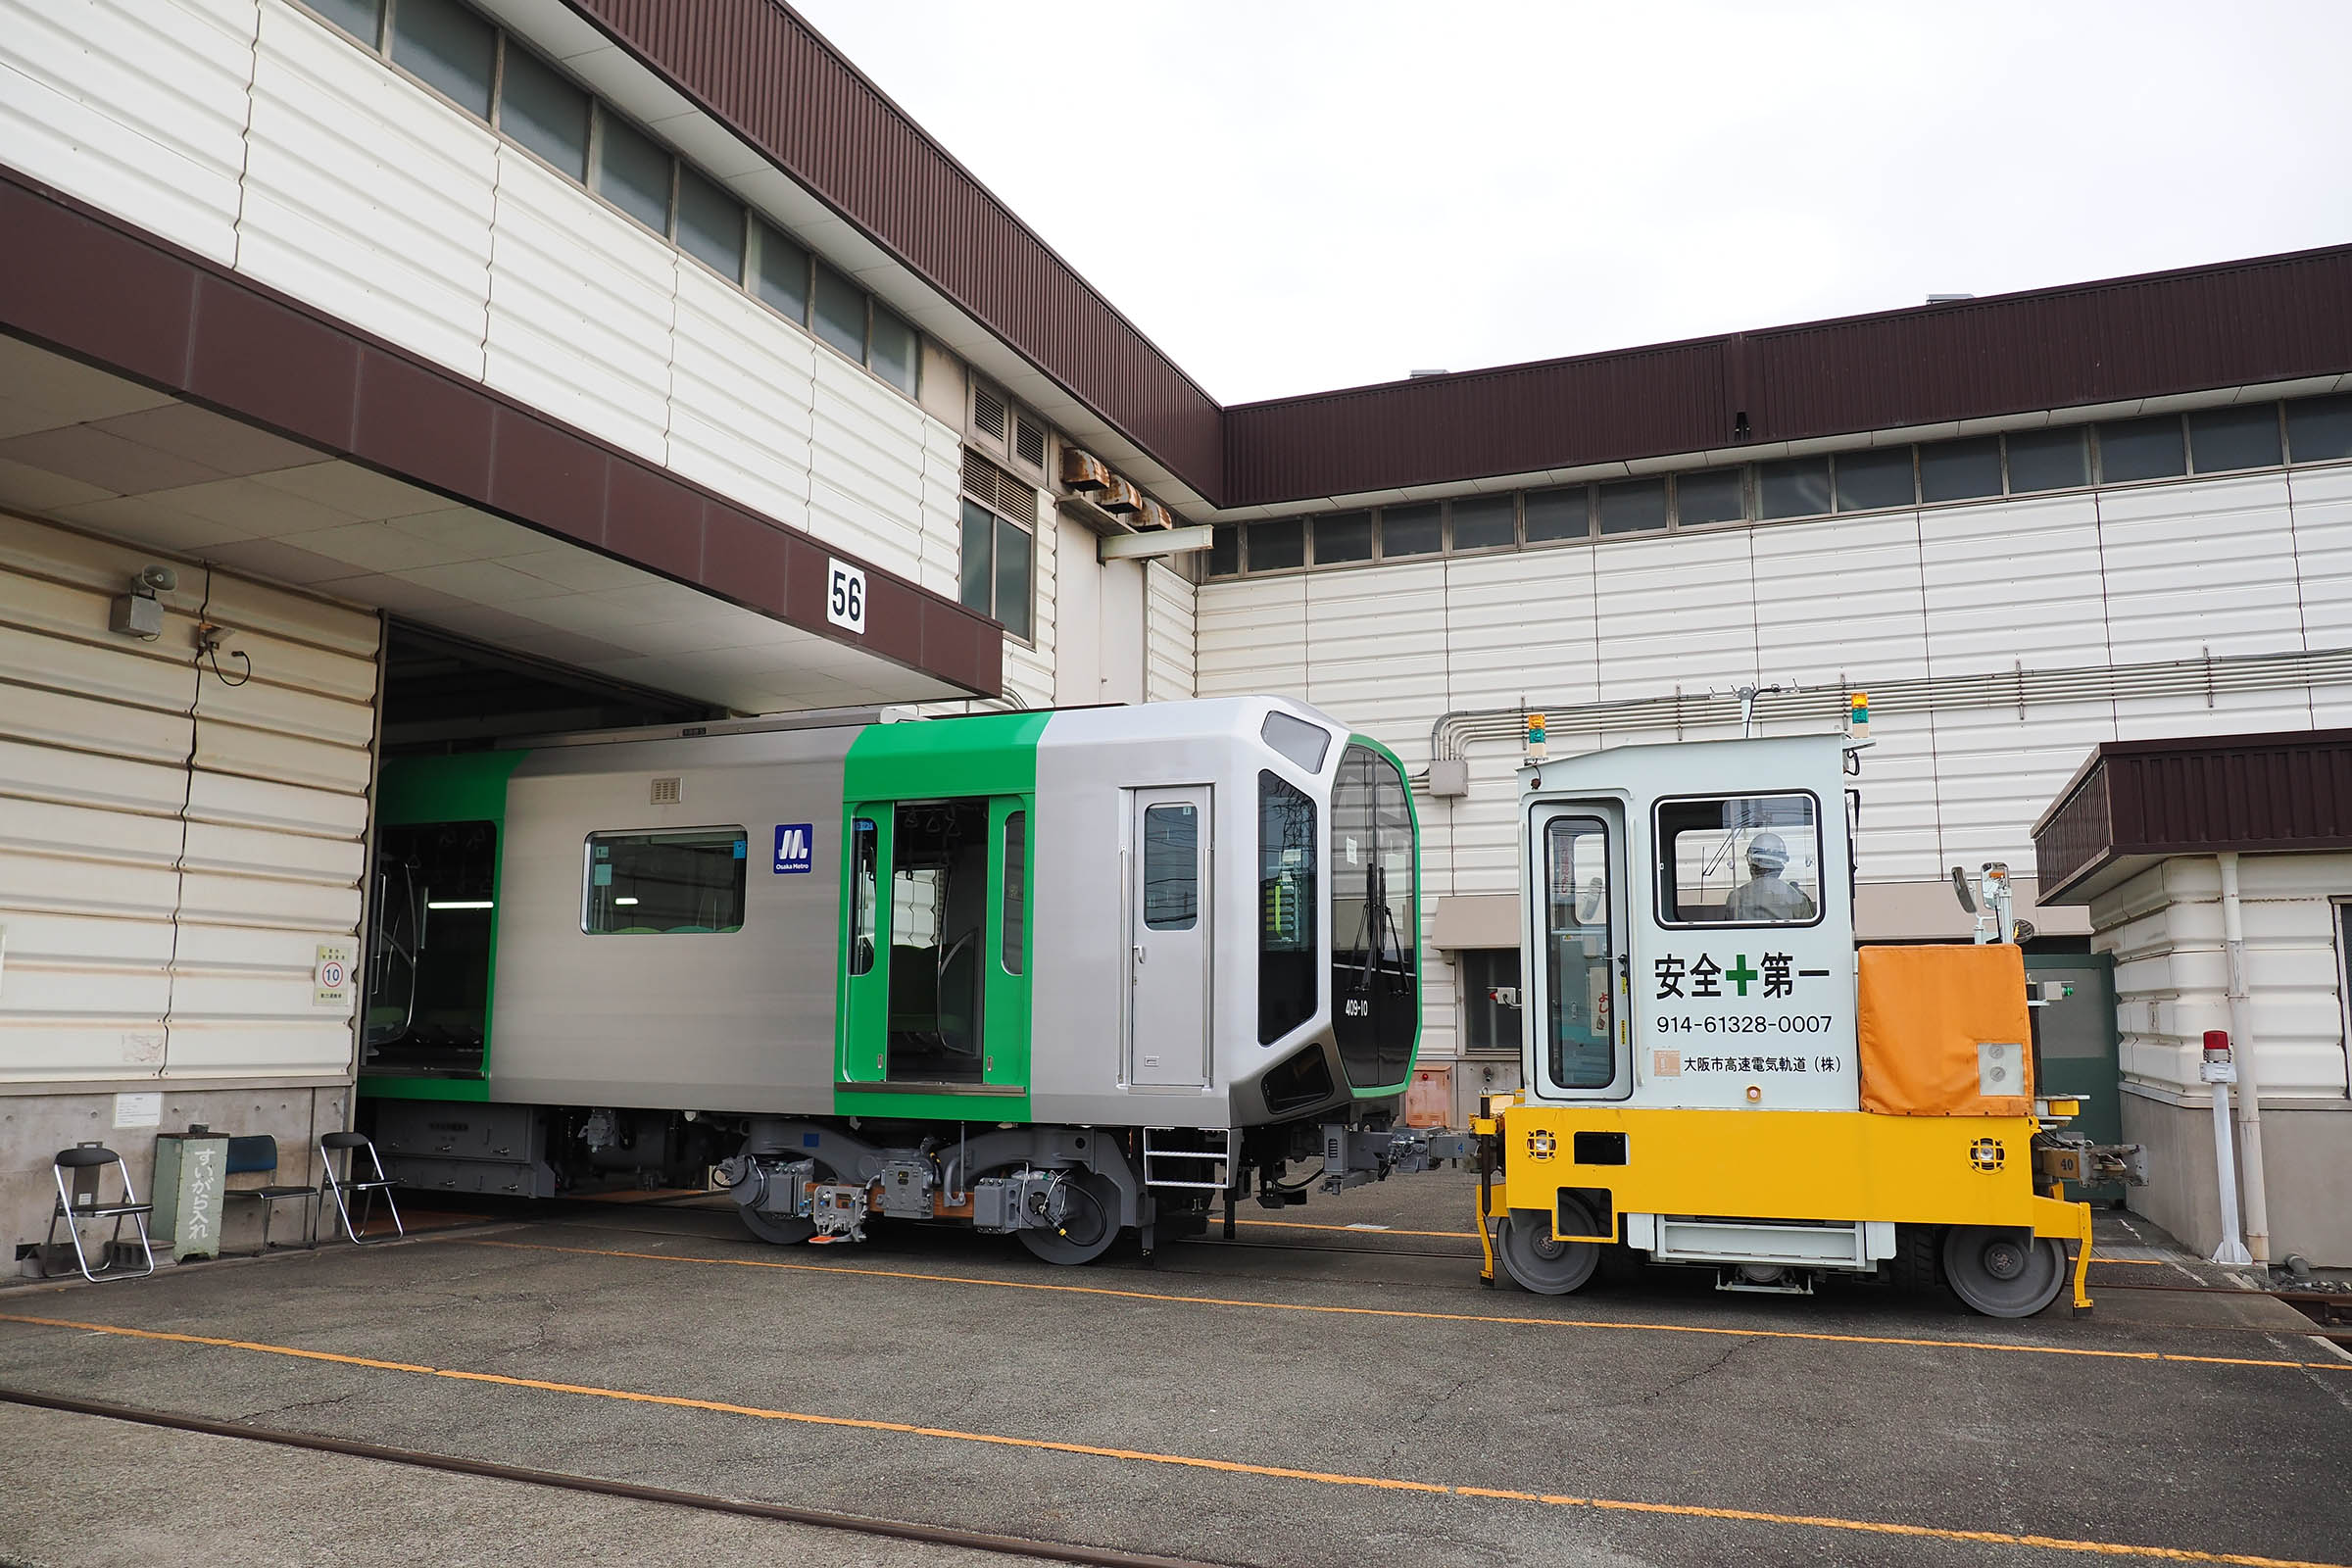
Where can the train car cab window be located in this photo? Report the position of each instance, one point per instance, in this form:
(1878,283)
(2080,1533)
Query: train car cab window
(1171,867)
(938,912)
(863,859)
(1016,867)
(1375,939)
(687,883)
(1286,898)
(1579,1047)
(1750,860)
(1295,738)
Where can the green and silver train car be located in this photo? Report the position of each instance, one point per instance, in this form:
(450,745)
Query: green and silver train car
(1056,974)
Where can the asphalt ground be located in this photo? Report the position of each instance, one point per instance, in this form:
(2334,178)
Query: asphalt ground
(1302,1396)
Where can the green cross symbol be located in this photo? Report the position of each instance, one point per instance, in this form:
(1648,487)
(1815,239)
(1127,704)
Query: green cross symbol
(1741,975)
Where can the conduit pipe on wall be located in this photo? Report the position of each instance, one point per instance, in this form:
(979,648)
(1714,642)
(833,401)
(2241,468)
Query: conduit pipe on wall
(2249,1086)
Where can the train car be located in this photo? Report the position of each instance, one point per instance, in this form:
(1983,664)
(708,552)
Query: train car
(1714,1075)
(1058,974)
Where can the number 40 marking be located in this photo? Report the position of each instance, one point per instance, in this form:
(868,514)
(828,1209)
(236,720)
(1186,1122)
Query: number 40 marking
(845,596)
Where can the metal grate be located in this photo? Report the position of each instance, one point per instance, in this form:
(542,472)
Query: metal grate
(1028,440)
(999,491)
(988,413)
(666,791)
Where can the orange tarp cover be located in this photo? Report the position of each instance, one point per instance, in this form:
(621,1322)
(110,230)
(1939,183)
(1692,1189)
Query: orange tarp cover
(1924,1012)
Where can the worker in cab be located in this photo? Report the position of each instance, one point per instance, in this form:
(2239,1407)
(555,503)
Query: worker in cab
(1766,896)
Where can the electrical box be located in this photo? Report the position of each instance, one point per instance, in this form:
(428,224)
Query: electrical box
(1448,779)
(138,616)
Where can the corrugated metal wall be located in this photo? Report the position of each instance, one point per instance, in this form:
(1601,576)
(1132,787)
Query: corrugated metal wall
(1170,630)
(174,849)
(2118,576)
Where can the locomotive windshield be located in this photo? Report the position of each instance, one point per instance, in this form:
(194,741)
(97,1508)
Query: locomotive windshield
(1375,928)
(1286,898)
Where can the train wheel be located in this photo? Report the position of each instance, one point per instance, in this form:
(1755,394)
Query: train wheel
(1541,1262)
(2001,1272)
(776,1230)
(1090,1221)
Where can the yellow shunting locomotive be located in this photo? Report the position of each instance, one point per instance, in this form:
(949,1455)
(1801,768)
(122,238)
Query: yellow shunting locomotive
(1714,1075)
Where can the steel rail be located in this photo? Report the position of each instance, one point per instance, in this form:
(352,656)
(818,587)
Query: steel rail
(818,1518)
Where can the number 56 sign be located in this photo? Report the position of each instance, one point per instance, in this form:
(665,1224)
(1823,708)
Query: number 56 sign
(845,596)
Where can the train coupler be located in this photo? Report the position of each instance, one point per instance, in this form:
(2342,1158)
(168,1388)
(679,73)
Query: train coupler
(1355,1155)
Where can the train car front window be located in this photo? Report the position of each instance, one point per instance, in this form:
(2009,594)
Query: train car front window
(687,883)
(1374,939)
(1579,1048)
(1286,898)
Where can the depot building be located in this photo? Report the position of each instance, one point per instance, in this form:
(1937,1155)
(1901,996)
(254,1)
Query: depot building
(393,376)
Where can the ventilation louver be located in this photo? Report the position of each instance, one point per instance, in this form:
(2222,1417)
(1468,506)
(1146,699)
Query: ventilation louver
(666,791)
(988,413)
(996,490)
(1028,440)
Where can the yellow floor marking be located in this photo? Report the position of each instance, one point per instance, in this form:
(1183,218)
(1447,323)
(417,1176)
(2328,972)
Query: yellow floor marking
(1332,1478)
(1401,1312)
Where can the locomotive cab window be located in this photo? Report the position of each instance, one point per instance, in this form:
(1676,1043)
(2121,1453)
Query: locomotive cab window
(1375,931)
(687,883)
(1286,898)
(1748,859)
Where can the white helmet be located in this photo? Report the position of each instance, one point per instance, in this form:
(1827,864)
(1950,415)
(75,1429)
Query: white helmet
(1766,854)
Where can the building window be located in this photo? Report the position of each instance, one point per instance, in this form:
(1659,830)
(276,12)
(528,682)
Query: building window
(363,19)
(2222,439)
(1868,481)
(783,275)
(710,224)
(2047,460)
(2319,429)
(633,173)
(997,568)
(1224,549)
(544,112)
(449,49)
(1713,495)
(1412,530)
(1559,515)
(1484,522)
(676,884)
(894,353)
(1278,545)
(1343,537)
(838,313)
(1797,488)
(1633,506)
(1491,1022)
(1960,470)
(2142,448)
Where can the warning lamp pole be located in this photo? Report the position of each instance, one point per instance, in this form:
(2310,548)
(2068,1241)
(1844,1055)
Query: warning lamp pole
(2221,1072)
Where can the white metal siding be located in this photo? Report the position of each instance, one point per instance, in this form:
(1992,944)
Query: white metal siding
(866,467)
(163,919)
(1169,634)
(135,105)
(741,394)
(364,196)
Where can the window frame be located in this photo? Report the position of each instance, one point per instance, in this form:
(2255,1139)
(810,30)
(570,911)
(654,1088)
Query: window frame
(743,889)
(1660,865)
(1027,639)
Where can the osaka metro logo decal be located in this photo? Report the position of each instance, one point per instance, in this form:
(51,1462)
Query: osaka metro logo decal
(796,847)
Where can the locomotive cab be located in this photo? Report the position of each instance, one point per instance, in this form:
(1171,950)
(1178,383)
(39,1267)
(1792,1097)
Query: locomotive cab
(1716,1076)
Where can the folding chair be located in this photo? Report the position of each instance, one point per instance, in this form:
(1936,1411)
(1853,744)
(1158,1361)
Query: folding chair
(88,1163)
(352,1182)
(257,1154)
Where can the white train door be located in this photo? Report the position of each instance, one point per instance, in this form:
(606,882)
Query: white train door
(1169,937)
(1579,979)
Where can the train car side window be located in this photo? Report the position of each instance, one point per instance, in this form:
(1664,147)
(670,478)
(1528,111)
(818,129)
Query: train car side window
(1579,947)
(1286,898)
(1748,859)
(1016,867)
(863,857)
(938,916)
(1171,867)
(686,883)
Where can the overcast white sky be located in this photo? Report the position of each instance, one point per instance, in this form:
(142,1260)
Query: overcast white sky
(1295,195)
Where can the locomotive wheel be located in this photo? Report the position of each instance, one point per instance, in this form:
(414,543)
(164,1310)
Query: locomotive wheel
(1538,1261)
(2002,1272)
(1088,1227)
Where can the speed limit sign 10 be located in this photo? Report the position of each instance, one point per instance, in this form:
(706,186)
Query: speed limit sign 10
(845,596)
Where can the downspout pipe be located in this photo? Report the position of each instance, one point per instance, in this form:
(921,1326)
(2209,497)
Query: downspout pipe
(2249,1087)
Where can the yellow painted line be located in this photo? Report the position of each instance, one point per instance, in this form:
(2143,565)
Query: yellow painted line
(1331,1478)
(1403,1313)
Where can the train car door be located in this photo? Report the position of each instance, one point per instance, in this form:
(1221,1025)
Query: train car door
(1169,937)
(1578,1027)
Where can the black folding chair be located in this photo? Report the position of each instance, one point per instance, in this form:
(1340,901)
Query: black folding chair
(88,1163)
(257,1154)
(351,1184)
